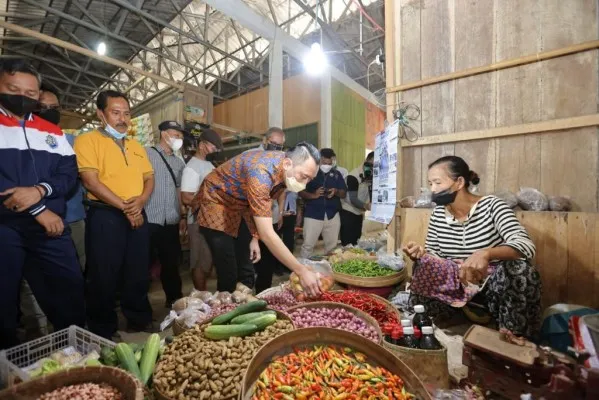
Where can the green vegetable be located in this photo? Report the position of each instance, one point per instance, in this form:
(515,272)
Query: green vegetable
(148,359)
(138,356)
(252,306)
(92,362)
(108,357)
(50,366)
(127,359)
(224,332)
(135,347)
(242,319)
(263,321)
(363,268)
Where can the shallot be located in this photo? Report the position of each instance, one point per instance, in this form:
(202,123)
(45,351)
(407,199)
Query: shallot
(84,391)
(280,300)
(338,318)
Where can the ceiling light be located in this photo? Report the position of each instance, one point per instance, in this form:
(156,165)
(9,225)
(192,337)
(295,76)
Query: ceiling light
(315,61)
(101,48)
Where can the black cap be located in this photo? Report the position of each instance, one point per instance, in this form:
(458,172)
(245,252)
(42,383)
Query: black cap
(165,125)
(212,137)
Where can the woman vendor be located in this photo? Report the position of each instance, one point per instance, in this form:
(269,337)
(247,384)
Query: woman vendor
(471,238)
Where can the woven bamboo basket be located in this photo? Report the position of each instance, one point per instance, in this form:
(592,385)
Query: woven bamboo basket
(359,313)
(390,307)
(129,386)
(377,355)
(430,365)
(375,282)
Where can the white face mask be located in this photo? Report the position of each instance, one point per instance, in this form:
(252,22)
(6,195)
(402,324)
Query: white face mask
(174,144)
(293,185)
(326,168)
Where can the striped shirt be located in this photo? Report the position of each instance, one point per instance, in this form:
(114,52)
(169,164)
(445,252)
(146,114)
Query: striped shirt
(163,206)
(490,223)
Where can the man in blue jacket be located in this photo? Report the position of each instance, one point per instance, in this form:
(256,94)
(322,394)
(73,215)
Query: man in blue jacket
(37,171)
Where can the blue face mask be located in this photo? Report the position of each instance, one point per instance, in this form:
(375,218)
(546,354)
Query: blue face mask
(113,132)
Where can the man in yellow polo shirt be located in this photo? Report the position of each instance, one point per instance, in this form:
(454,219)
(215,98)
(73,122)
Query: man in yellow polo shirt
(119,179)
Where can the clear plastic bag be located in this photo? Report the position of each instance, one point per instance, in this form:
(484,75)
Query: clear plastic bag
(186,302)
(224,297)
(324,272)
(190,317)
(408,202)
(240,287)
(392,261)
(509,197)
(533,200)
(202,295)
(239,297)
(424,200)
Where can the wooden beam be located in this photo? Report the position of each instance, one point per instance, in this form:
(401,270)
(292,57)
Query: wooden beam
(514,62)
(87,53)
(514,130)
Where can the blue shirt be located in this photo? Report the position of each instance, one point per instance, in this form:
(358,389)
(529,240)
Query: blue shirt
(290,202)
(75,210)
(317,208)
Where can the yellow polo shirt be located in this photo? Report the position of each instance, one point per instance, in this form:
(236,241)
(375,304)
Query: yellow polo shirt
(121,169)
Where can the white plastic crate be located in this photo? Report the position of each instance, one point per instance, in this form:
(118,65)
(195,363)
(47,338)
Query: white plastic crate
(12,361)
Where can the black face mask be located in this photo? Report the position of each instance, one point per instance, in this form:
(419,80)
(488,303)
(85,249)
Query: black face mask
(367,171)
(18,104)
(50,115)
(273,147)
(444,197)
(213,157)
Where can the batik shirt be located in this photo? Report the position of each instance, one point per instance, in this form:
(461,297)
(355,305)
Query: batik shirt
(243,187)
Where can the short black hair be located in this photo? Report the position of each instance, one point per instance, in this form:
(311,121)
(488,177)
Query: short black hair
(46,88)
(327,153)
(14,65)
(370,155)
(302,151)
(103,96)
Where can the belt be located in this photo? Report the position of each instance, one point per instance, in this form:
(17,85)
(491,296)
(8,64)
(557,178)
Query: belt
(99,204)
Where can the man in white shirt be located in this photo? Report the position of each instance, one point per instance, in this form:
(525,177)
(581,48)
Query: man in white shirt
(194,173)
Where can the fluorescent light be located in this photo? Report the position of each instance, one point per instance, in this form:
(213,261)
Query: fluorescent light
(315,61)
(101,48)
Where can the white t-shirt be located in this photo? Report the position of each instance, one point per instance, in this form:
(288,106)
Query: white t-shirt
(193,175)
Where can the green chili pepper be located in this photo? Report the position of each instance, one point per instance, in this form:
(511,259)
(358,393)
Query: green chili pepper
(362,268)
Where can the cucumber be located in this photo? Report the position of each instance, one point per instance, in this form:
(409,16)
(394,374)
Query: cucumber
(127,359)
(242,309)
(148,358)
(242,319)
(263,321)
(224,332)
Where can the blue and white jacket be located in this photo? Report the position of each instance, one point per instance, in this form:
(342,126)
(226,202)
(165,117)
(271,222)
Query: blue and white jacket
(34,151)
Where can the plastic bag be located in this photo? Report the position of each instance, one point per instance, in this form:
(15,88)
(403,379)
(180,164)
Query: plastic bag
(186,302)
(224,297)
(560,203)
(239,297)
(202,295)
(324,272)
(532,199)
(509,197)
(396,263)
(408,202)
(191,316)
(240,287)
(424,200)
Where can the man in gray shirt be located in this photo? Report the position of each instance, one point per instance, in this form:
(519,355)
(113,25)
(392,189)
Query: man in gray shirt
(164,208)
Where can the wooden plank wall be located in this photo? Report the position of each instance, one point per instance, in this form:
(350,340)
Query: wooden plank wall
(567,251)
(301,106)
(437,37)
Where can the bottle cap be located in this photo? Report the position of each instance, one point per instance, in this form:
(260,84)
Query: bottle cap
(419,308)
(427,330)
(406,322)
(408,330)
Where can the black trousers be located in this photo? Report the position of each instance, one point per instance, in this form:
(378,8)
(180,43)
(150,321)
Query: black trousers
(166,248)
(117,260)
(265,267)
(288,232)
(351,227)
(231,257)
(50,267)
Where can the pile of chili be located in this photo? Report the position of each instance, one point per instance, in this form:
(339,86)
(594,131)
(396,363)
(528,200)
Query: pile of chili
(327,373)
(363,301)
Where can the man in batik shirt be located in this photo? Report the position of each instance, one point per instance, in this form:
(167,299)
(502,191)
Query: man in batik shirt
(234,209)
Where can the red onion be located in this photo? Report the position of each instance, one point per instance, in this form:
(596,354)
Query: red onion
(280,300)
(333,318)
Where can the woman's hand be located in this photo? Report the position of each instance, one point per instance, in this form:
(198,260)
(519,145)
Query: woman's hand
(254,250)
(310,282)
(474,269)
(413,250)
